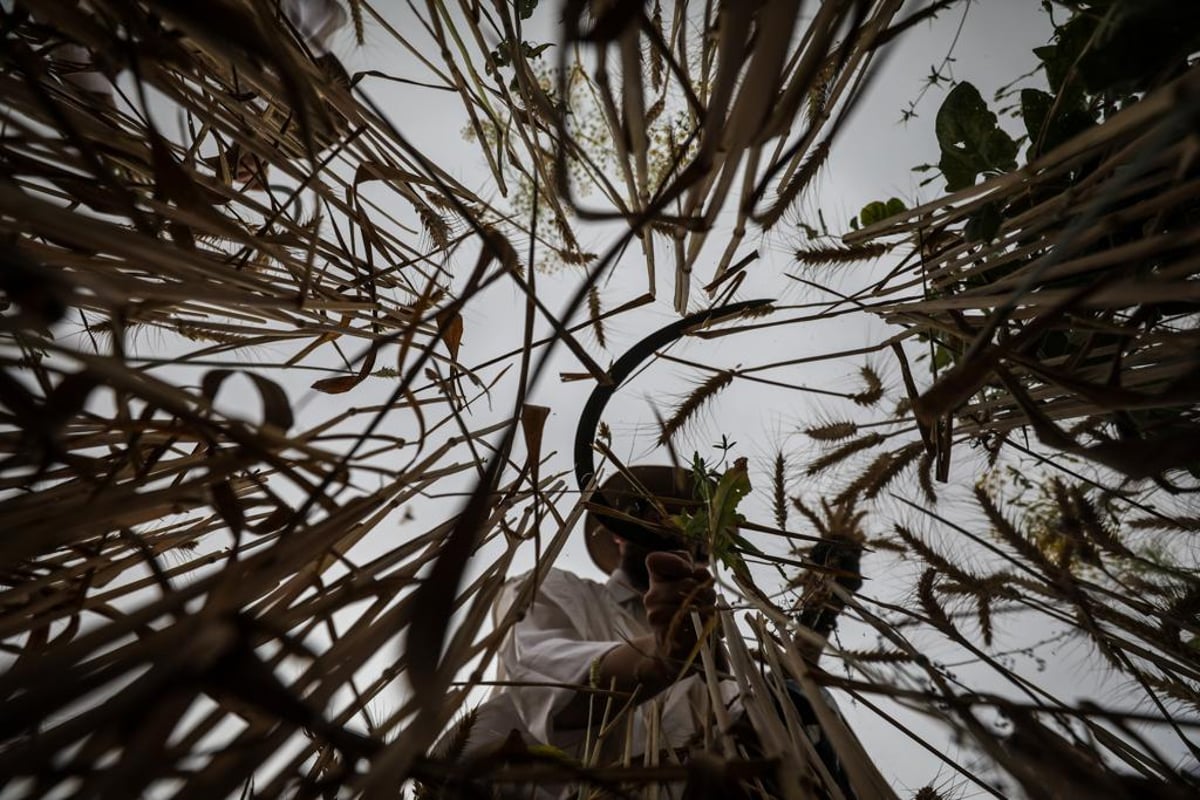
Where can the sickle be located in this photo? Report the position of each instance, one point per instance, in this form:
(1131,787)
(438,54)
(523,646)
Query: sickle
(589,420)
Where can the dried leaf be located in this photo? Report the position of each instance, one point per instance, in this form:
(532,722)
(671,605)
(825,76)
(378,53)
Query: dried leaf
(226,502)
(451,327)
(338,385)
(533,422)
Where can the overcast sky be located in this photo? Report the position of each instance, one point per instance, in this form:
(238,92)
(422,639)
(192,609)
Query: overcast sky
(872,160)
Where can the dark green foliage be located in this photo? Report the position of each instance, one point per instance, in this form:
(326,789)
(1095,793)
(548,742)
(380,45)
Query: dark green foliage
(1104,57)
(502,55)
(983,225)
(1122,46)
(526,8)
(971,141)
(1047,126)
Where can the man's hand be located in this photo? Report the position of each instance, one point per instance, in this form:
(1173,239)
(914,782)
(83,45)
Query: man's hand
(647,665)
(677,587)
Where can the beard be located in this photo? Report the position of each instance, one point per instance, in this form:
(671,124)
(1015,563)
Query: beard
(633,564)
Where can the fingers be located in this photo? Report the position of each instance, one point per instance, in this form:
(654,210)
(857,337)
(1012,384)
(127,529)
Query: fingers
(677,587)
(669,565)
(665,599)
(660,611)
(675,565)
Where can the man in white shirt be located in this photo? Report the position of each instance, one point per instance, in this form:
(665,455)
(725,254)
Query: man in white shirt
(632,635)
(606,673)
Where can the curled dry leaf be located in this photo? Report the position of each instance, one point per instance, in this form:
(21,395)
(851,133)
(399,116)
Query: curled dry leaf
(276,408)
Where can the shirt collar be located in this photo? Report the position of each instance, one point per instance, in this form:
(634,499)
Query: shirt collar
(621,587)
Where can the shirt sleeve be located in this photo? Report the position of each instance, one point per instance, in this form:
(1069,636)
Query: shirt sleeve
(316,21)
(549,647)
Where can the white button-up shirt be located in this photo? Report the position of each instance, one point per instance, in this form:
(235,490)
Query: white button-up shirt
(547,657)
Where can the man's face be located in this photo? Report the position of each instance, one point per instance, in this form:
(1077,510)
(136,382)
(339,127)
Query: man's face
(633,561)
(633,555)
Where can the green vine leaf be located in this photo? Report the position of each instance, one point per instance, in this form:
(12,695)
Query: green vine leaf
(1059,59)
(1046,132)
(984,224)
(971,141)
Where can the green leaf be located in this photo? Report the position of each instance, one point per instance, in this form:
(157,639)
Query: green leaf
(1035,107)
(872,212)
(943,358)
(971,141)
(502,56)
(1060,58)
(1055,66)
(1046,133)
(550,752)
(1055,344)
(730,489)
(716,520)
(702,478)
(1146,40)
(878,210)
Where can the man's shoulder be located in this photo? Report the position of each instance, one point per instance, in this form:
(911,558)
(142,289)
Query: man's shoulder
(552,579)
(555,586)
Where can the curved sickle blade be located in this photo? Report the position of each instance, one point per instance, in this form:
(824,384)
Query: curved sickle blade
(589,419)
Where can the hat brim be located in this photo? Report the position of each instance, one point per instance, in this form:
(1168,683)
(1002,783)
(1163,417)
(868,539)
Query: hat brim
(601,545)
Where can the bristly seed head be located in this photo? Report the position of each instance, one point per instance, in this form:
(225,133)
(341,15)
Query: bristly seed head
(699,396)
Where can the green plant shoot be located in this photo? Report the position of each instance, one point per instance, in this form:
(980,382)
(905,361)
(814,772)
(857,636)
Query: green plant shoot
(716,520)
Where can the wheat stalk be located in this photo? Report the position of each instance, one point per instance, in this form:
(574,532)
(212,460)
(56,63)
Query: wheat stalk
(691,405)
(832,432)
(843,452)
